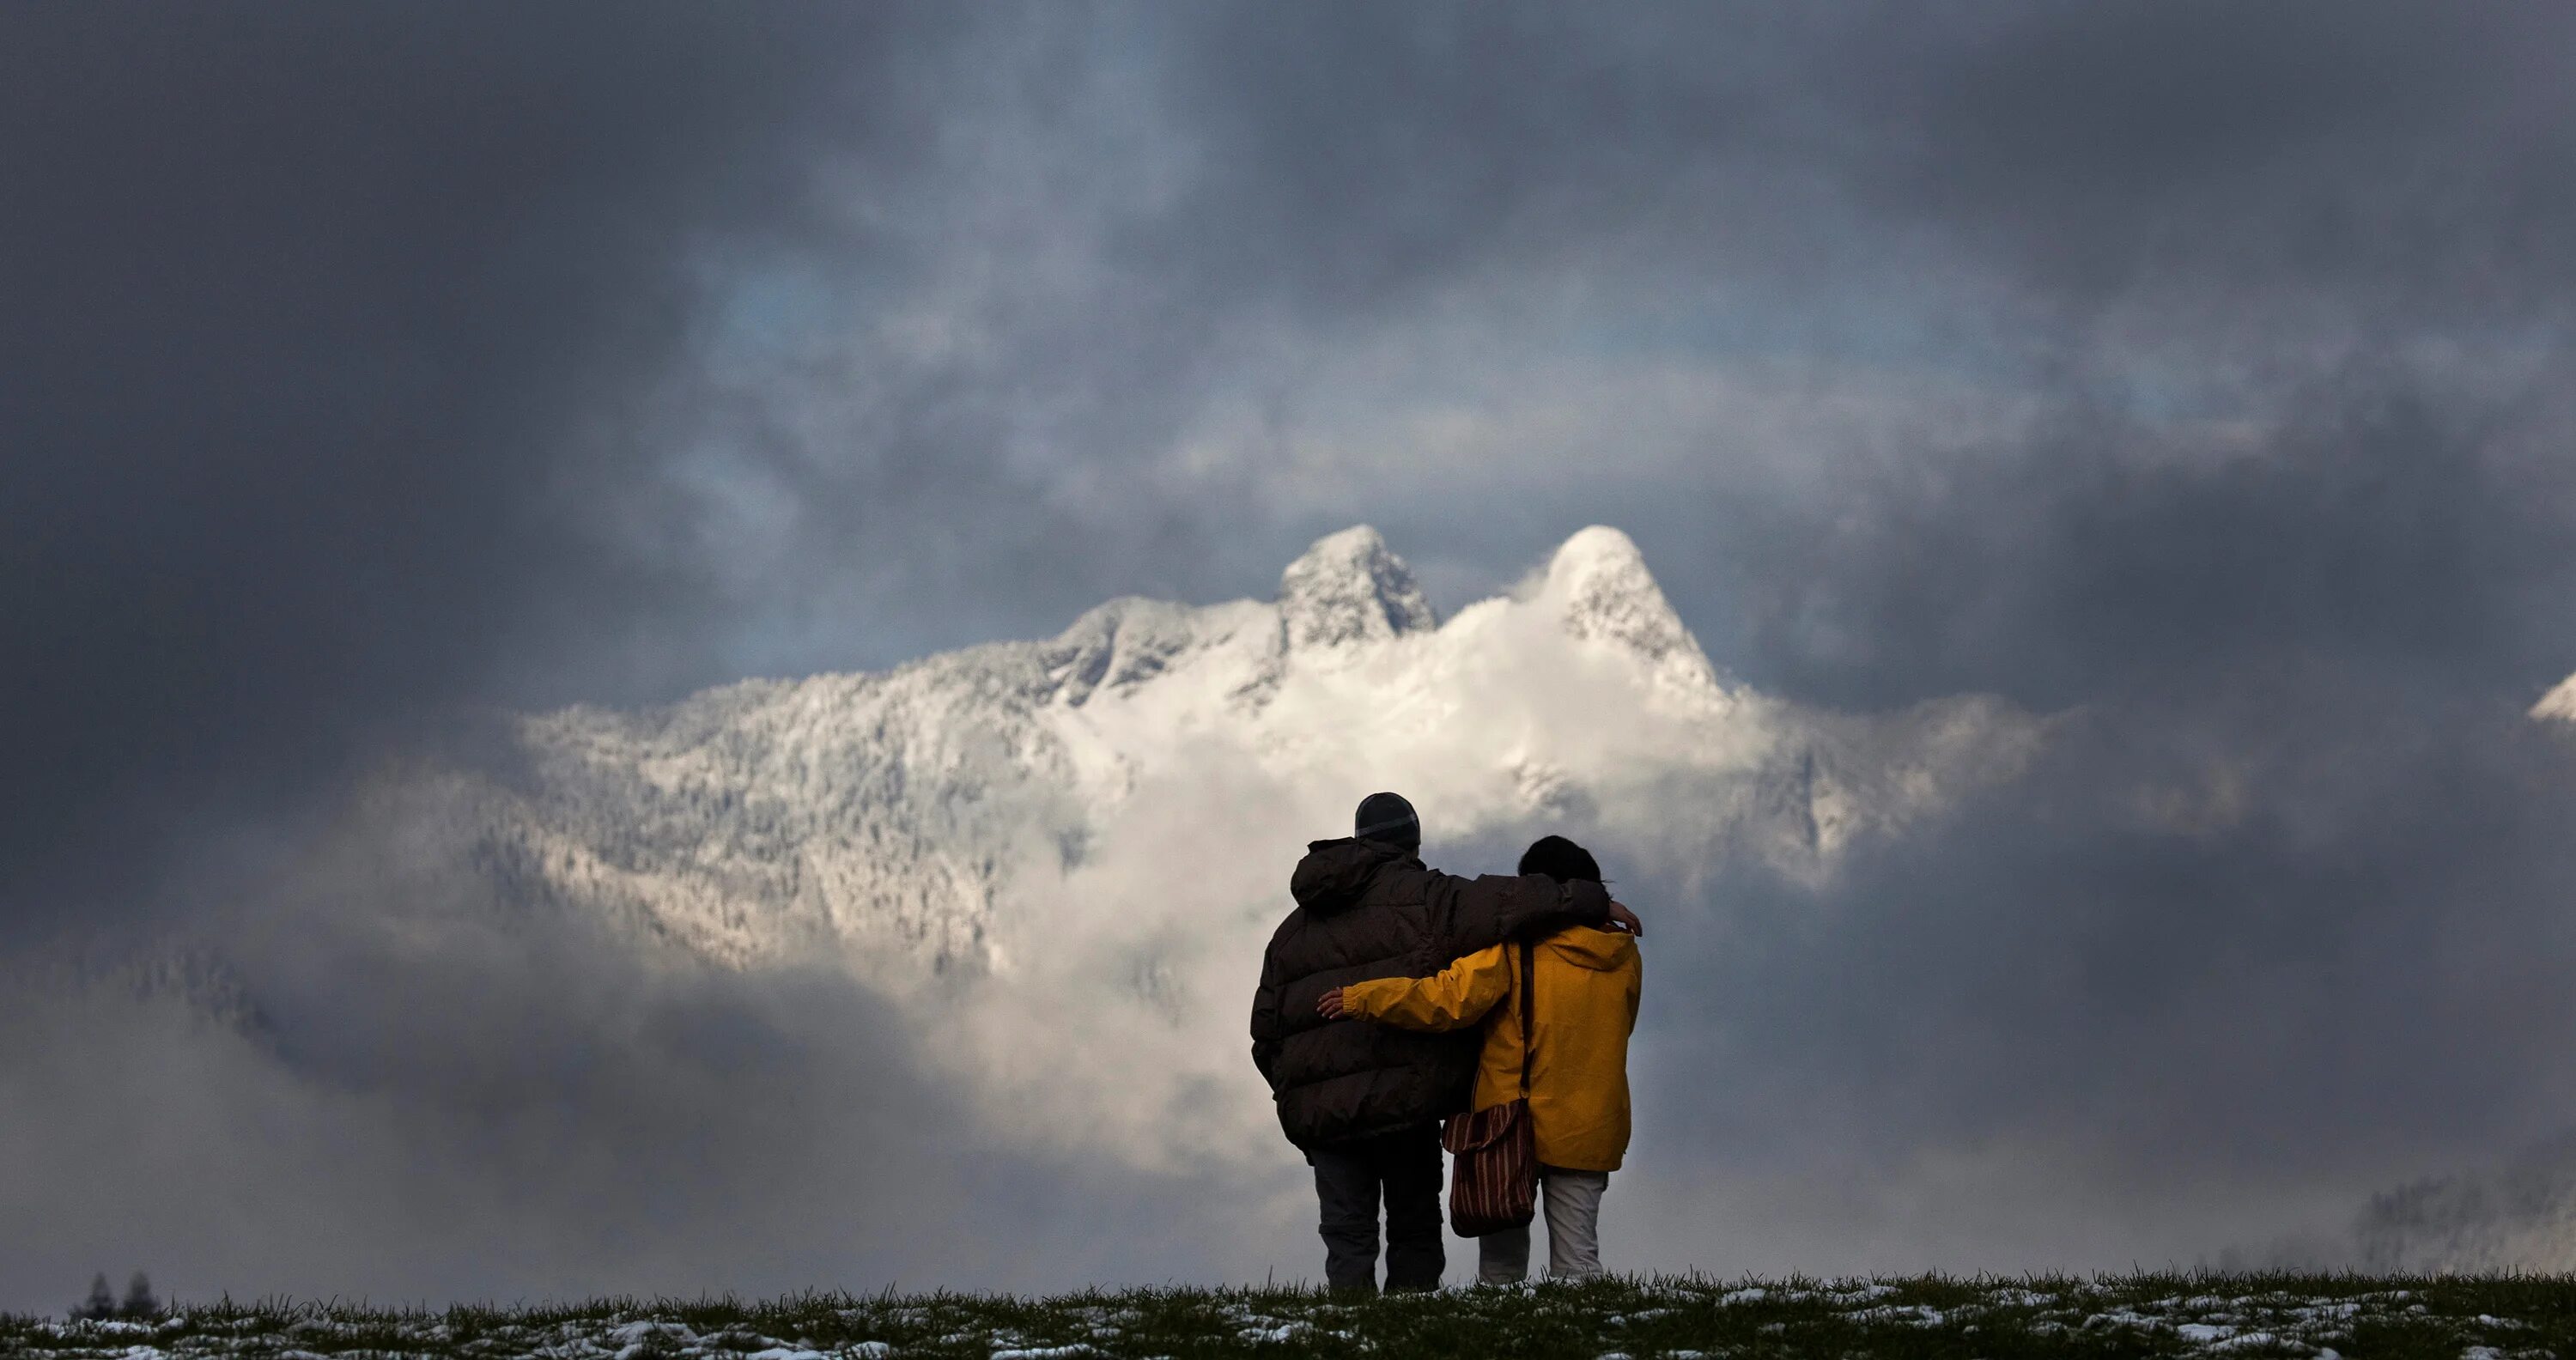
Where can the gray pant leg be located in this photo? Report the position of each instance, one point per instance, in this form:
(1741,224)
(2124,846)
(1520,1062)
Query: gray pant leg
(1573,1222)
(1503,1257)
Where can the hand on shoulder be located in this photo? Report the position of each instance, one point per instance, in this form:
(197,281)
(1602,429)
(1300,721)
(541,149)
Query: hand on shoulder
(1623,919)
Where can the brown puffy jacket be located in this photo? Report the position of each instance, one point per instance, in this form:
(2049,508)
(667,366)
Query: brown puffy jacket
(1365,910)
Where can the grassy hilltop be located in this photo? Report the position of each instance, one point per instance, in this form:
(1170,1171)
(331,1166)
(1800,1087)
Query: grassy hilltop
(2450,1318)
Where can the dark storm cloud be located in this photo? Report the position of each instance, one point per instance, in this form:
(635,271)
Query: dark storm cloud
(2390,150)
(2394,527)
(1360,157)
(2199,964)
(1357,151)
(2286,950)
(328,329)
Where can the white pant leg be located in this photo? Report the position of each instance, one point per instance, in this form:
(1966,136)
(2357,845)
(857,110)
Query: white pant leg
(1503,1257)
(1573,1221)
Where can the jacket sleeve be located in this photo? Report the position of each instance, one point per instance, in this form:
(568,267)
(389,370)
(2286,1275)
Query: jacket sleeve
(1266,1029)
(1458,996)
(1491,910)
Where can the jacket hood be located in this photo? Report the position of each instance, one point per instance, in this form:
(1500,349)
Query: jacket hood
(1603,951)
(1334,875)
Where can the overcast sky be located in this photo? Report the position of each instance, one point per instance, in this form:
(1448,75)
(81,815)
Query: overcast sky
(2198,369)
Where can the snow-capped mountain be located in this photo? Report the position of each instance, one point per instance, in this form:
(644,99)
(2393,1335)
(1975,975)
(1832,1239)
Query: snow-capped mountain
(2559,704)
(899,820)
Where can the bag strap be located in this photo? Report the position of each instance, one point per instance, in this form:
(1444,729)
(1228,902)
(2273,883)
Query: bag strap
(1529,1009)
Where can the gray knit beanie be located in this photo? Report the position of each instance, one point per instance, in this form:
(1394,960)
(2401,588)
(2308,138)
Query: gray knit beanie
(1387,817)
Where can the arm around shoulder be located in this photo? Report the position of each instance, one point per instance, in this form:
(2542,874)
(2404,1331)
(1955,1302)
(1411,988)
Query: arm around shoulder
(1454,998)
(1493,909)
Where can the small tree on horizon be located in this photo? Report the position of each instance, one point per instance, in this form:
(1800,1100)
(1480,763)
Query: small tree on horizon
(139,1302)
(102,1302)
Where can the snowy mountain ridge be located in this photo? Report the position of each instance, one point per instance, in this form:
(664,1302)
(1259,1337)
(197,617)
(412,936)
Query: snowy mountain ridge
(890,818)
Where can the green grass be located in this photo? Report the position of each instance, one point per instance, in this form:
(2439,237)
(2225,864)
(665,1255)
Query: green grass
(2139,1315)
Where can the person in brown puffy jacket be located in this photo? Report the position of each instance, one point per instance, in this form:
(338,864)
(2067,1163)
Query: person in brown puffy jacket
(1578,989)
(1364,1102)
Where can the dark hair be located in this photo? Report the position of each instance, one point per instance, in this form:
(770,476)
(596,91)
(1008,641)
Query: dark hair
(1560,859)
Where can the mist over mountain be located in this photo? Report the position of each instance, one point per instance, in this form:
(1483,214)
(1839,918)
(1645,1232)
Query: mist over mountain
(1110,814)
(888,819)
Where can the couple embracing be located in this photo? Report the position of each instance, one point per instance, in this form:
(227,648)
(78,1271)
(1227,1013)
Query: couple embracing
(1395,997)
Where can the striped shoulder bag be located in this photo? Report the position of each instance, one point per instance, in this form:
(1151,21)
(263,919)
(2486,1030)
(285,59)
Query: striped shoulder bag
(1493,1181)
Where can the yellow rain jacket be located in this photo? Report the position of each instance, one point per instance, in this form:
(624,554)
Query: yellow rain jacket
(1588,984)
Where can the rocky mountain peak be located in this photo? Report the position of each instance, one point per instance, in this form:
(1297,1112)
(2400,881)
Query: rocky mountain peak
(1350,587)
(1599,581)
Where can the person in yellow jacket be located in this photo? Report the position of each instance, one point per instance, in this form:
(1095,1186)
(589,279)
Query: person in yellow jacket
(1587,985)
